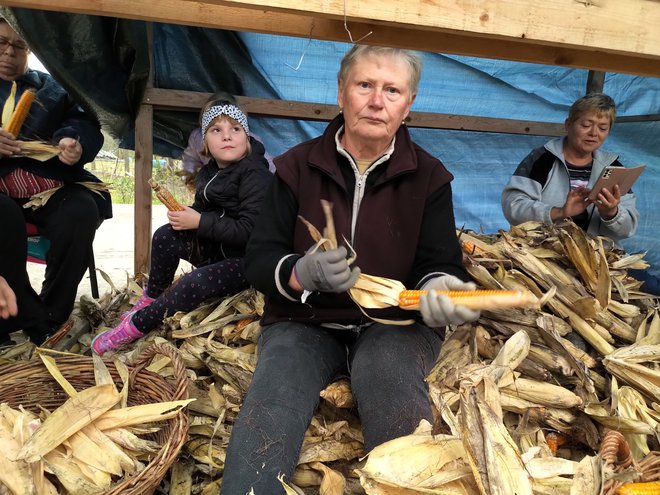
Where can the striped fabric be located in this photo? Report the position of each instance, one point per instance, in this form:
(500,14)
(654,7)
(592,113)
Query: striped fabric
(22,184)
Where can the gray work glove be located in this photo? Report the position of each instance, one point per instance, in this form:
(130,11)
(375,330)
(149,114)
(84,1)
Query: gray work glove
(438,310)
(326,271)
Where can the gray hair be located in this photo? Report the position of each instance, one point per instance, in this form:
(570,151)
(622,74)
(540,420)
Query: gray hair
(599,103)
(357,51)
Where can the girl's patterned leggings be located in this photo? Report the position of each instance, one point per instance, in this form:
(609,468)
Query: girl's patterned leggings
(214,276)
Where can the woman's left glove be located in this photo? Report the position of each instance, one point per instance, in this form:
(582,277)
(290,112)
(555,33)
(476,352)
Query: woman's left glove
(438,310)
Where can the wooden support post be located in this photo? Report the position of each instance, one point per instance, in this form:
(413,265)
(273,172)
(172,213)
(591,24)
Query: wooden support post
(595,81)
(144,151)
(143,156)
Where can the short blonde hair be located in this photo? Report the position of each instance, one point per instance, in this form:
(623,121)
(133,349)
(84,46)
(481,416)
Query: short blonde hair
(357,51)
(599,103)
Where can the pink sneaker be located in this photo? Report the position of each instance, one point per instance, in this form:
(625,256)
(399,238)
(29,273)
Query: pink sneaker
(112,339)
(143,302)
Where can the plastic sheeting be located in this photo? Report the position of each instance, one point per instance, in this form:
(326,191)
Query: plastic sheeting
(103,62)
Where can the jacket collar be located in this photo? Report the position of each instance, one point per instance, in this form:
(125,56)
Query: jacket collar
(556,147)
(323,154)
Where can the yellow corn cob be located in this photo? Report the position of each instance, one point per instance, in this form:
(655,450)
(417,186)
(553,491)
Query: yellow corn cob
(471,248)
(651,488)
(20,112)
(165,196)
(475,299)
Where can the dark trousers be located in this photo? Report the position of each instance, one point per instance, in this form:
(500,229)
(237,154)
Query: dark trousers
(212,277)
(387,365)
(13,253)
(69,221)
(168,246)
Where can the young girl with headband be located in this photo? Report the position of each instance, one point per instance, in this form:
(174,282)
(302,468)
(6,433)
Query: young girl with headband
(212,234)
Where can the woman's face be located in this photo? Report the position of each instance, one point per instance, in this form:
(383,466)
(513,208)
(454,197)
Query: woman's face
(226,141)
(14,55)
(588,132)
(375,98)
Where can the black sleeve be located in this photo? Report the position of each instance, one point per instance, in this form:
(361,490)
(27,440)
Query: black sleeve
(78,125)
(219,227)
(438,250)
(269,257)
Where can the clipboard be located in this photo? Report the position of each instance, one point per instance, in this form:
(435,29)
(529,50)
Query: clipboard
(610,176)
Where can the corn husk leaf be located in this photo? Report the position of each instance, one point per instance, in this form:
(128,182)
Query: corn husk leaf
(144,413)
(495,460)
(76,413)
(417,463)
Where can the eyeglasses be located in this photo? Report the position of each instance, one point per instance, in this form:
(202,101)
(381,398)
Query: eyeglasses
(19,46)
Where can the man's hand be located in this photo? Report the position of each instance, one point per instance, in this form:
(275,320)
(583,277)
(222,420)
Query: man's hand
(438,310)
(188,219)
(326,271)
(8,144)
(7,300)
(70,151)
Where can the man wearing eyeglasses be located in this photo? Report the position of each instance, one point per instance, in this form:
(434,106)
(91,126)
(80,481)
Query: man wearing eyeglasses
(70,217)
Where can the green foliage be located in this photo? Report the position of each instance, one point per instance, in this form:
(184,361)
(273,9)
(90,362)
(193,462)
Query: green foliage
(123,182)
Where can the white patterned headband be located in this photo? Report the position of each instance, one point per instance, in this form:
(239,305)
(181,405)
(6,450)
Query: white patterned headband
(230,111)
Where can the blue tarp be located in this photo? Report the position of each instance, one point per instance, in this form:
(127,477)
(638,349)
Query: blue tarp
(105,67)
(481,162)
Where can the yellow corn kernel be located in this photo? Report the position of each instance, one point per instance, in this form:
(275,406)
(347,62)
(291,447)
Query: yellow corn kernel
(20,112)
(165,197)
(475,299)
(651,488)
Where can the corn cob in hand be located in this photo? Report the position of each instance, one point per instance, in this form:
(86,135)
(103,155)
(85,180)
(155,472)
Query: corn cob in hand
(165,197)
(475,299)
(20,113)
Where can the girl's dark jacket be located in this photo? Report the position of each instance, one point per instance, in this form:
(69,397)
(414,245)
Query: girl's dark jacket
(404,224)
(230,199)
(53,116)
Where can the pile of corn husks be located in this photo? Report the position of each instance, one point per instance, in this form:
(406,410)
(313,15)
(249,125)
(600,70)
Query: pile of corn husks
(522,398)
(85,443)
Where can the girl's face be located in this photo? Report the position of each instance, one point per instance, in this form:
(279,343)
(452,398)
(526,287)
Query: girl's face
(226,141)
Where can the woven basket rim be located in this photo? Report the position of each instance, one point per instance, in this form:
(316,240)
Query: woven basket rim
(76,368)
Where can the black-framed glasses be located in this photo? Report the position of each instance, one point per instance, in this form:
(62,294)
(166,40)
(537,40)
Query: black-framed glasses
(19,46)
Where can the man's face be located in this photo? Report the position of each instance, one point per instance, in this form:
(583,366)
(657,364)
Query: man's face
(13,53)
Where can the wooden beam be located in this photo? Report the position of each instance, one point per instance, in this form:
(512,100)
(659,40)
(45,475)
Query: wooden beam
(639,118)
(601,35)
(190,100)
(593,24)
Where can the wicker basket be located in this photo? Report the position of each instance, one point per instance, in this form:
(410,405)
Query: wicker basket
(29,383)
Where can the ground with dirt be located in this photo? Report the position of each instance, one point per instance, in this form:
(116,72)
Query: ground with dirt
(113,250)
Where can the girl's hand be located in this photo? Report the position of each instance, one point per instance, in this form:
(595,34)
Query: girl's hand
(187,219)
(8,144)
(70,151)
(608,201)
(7,300)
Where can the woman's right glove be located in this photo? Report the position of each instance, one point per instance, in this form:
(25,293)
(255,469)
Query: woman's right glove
(438,310)
(326,271)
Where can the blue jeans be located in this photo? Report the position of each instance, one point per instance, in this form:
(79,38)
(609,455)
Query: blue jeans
(387,365)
